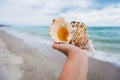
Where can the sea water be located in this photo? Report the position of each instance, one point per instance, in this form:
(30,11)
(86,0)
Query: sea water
(106,40)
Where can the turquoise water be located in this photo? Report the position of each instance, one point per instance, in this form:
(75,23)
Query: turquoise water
(41,31)
(105,39)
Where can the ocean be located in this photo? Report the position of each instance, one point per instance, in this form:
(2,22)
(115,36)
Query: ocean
(106,40)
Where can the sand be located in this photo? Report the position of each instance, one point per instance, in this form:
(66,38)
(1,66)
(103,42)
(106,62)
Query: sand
(19,61)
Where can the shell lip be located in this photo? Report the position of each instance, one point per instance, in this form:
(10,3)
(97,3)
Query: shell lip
(56,24)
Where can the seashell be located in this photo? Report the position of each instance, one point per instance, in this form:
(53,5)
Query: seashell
(73,33)
(80,37)
(60,31)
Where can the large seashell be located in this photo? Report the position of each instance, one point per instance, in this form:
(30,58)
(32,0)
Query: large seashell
(60,31)
(73,33)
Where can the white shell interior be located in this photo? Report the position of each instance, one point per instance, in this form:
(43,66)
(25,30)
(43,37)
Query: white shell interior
(56,25)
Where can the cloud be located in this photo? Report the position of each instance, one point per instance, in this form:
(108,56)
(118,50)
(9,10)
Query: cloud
(41,12)
(107,16)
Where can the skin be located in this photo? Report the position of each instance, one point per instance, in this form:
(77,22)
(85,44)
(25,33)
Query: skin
(76,65)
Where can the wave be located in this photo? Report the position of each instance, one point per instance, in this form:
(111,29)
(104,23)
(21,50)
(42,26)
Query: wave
(35,41)
(107,57)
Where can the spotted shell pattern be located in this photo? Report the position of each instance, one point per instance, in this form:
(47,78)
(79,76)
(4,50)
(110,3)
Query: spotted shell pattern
(80,37)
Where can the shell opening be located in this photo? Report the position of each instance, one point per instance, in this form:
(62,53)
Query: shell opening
(62,34)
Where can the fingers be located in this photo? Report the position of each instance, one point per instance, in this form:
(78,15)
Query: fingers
(61,47)
(67,49)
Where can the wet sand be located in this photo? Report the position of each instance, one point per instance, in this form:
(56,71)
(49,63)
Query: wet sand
(19,61)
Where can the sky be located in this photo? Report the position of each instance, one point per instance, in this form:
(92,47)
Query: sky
(41,12)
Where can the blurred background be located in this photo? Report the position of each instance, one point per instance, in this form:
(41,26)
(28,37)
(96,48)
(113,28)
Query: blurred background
(102,18)
(32,18)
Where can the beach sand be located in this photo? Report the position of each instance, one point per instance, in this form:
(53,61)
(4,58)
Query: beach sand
(19,61)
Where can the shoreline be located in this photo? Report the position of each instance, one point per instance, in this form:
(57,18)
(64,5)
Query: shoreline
(21,62)
(31,64)
(37,41)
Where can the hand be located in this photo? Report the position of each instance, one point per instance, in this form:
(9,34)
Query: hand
(69,50)
(76,66)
